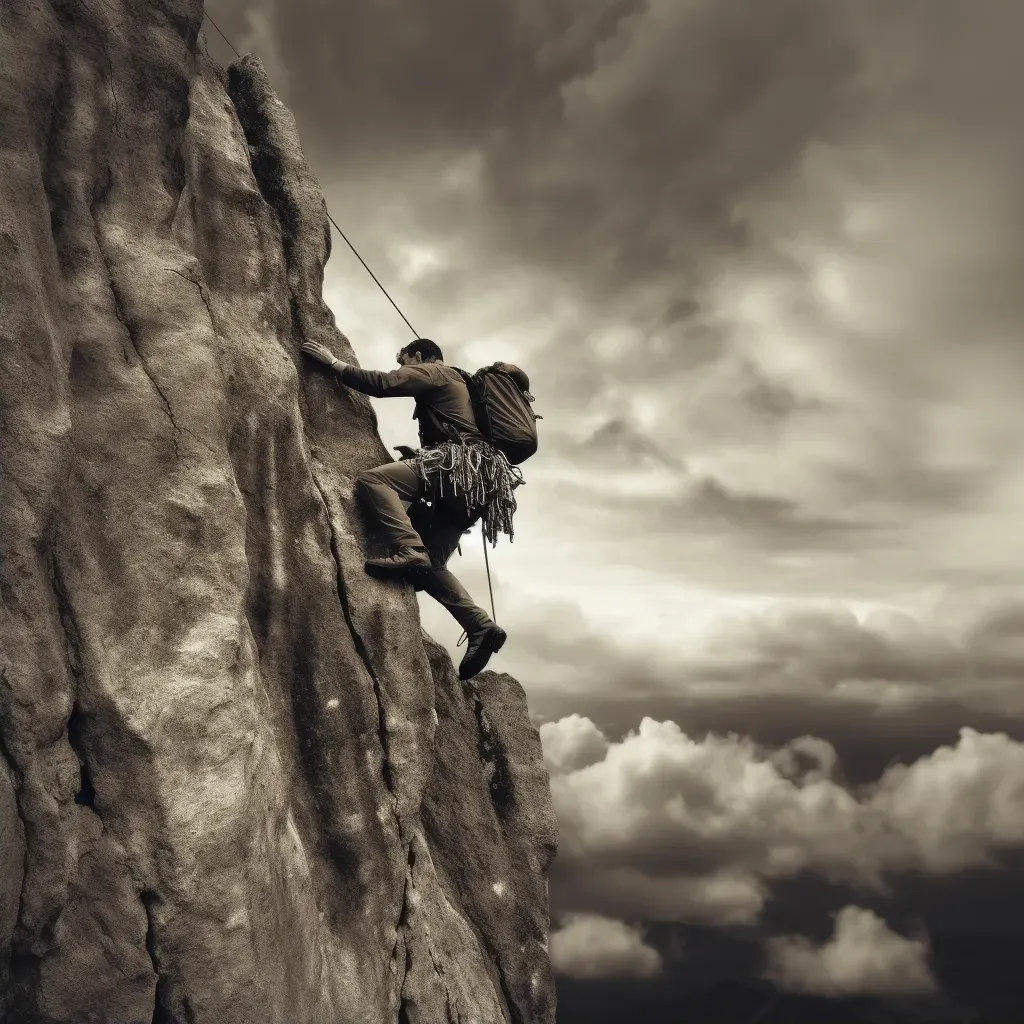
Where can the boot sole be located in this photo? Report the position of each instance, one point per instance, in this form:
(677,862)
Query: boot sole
(495,641)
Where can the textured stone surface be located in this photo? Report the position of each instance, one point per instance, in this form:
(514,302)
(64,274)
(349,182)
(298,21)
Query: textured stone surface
(237,782)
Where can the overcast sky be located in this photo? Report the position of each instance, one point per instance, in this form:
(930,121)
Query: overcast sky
(762,261)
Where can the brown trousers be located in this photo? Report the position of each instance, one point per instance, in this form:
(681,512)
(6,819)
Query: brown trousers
(437,528)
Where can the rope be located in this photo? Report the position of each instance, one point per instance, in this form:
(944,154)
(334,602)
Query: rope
(494,614)
(224,37)
(484,478)
(372,274)
(329,217)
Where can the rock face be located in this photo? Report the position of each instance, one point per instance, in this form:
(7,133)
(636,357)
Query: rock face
(238,783)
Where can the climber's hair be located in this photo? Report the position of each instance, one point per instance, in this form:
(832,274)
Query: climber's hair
(426,349)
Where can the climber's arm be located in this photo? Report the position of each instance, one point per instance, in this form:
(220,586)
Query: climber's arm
(405,382)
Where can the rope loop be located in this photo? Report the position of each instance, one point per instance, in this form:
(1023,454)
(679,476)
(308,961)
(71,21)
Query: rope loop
(481,476)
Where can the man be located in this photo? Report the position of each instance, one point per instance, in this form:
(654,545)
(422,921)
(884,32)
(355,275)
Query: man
(457,471)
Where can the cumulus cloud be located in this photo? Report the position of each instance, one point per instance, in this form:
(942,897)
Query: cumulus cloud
(572,743)
(669,827)
(864,957)
(591,946)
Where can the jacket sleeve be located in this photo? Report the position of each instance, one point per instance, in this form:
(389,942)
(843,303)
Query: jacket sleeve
(405,382)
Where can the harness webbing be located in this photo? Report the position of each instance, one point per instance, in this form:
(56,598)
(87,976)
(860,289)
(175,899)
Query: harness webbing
(481,475)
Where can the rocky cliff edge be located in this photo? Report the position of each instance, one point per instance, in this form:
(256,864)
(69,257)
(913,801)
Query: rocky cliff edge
(238,783)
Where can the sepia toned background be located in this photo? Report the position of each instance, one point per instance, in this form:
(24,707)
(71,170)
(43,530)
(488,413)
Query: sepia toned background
(762,262)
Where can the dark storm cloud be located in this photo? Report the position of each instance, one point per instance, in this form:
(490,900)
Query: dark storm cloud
(625,133)
(621,157)
(685,108)
(392,80)
(797,648)
(620,140)
(616,136)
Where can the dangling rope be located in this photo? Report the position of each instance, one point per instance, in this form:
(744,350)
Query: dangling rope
(481,475)
(485,479)
(494,614)
(464,636)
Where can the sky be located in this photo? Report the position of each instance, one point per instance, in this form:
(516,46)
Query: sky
(761,261)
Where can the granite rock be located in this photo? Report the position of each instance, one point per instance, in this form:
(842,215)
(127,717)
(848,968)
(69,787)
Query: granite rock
(238,783)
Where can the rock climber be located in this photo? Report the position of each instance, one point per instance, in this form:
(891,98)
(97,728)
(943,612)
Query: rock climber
(463,478)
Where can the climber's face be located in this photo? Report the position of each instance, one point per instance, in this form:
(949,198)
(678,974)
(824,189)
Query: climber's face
(405,359)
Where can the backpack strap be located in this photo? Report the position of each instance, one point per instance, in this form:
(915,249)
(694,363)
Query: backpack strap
(483,421)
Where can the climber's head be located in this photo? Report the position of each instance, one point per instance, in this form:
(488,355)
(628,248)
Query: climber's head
(422,350)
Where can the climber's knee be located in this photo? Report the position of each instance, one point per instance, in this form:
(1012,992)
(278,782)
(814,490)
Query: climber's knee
(399,478)
(373,487)
(368,479)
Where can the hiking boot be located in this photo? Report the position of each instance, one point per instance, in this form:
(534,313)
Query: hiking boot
(404,561)
(482,644)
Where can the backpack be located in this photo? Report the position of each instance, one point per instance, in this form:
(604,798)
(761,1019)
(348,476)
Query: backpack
(503,414)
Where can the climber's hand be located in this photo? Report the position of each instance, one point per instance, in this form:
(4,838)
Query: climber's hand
(319,352)
(405,451)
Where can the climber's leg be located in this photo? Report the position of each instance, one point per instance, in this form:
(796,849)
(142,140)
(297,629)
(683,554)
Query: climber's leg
(441,529)
(444,587)
(384,489)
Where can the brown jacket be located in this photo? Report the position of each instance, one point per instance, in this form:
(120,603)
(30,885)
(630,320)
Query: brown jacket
(441,397)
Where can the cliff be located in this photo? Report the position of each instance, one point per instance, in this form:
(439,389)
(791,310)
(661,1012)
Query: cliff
(238,783)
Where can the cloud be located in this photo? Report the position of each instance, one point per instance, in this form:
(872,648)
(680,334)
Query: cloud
(681,109)
(259,37)
(863,958)
(776,241)
(590,946)
(887,656)
(619,441)
(572,743)
(669,827)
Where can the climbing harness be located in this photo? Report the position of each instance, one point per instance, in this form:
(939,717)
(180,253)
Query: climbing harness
(499,478)
(483,478)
